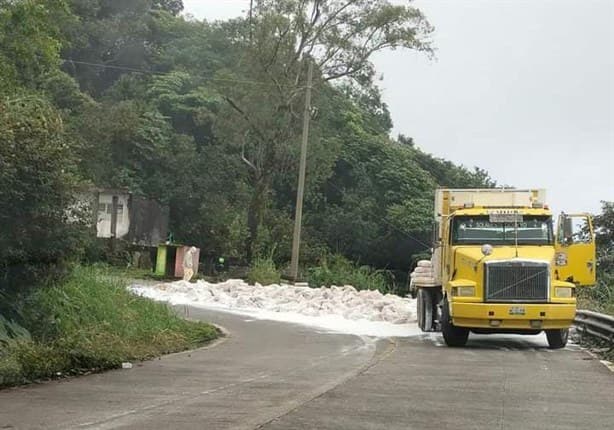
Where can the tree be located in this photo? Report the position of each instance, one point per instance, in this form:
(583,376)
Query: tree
(604,236)
(30,40)
(173,6)
(37,187)
(207,117)
(133,146)
(112,37)
(382,188)
(38,230)
(338,36)
(376,189)
(445,172)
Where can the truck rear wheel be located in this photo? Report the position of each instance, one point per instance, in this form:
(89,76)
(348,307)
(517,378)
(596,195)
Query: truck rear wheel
(425,309)
(453,336)
(557,338)
(413,290)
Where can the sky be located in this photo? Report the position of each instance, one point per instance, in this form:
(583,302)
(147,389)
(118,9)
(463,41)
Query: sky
(521,88)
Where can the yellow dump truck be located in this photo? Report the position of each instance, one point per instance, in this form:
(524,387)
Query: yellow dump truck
(498,266)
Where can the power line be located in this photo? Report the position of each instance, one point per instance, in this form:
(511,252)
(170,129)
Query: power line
(153,72)
(111,66)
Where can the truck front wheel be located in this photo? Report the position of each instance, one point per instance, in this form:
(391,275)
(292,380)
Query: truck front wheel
(557,338)
(453,336)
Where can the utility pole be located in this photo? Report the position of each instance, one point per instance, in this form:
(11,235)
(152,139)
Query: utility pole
(296,242)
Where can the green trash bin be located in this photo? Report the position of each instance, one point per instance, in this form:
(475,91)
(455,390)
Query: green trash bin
(169,259)
(165,260)
(161,260)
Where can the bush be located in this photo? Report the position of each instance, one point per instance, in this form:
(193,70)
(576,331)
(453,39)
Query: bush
(39,360)
(599,298)
(92,322)
(11,372)
(37,182)
(264,272)
(337,270)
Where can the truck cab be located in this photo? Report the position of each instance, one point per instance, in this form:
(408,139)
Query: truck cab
(499,266)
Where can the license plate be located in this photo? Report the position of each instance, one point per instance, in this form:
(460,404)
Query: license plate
(517,310)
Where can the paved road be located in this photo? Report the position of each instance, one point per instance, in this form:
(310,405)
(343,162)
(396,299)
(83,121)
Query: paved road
(269,375)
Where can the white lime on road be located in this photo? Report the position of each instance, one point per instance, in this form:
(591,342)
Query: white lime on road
(340,309)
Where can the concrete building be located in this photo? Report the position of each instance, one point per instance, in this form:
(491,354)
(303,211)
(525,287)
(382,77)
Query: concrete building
(118,213)
(113,211)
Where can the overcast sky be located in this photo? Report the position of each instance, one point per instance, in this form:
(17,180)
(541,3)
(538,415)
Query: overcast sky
(523,89)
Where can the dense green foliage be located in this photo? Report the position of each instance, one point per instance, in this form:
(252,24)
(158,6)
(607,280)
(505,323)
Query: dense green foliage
(338,270)
(604,235)
(39,227)
(87,323)
(207,118)
(263,271)
(601,297)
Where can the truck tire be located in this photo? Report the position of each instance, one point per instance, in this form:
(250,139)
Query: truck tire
(419,311)
(557,338)
(413,290)
(452,335)
(425,309)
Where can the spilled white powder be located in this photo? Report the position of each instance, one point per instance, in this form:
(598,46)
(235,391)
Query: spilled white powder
(337,309)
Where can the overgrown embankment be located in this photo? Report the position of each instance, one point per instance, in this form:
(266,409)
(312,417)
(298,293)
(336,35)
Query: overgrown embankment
(89,323)
(331,269)
(599,298)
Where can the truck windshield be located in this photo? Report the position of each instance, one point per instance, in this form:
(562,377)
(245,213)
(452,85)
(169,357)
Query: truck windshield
(477,230)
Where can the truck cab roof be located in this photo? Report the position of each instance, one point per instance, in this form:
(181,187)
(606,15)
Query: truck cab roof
(475,211)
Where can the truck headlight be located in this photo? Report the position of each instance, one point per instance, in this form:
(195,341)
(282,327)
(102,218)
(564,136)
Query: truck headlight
(463,291)
(564,292)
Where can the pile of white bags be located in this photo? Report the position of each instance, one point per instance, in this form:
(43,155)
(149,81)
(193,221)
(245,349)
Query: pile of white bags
(235,294)
(423,274)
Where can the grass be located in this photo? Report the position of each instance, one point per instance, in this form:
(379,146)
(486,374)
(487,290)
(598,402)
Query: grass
(90,323)
(126,272)
(263,271)
(337,270)
(603,349)
(599,298)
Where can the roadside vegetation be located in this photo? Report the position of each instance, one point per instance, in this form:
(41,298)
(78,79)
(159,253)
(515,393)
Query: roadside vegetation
(338,270)
(205,117)
(88,323)
(333,269)
(601,297)
(263,271)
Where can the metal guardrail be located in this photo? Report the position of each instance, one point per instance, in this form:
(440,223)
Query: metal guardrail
(595,324)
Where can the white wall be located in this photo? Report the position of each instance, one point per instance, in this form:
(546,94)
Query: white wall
(105,205)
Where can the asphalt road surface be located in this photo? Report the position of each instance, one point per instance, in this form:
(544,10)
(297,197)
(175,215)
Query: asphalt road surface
(270,375)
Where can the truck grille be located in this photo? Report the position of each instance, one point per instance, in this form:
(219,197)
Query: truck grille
(517,281)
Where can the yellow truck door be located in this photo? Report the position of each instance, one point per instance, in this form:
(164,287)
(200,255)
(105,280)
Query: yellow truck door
(575,249)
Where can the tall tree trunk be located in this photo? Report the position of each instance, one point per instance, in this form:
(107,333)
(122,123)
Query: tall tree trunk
(255,214)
